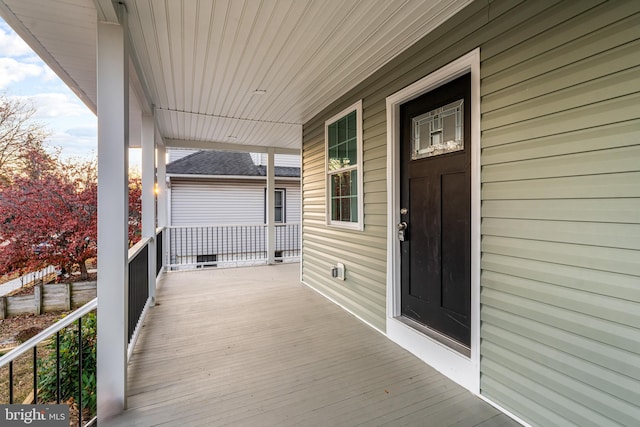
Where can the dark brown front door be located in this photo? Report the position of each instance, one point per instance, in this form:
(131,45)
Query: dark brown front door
(436,208)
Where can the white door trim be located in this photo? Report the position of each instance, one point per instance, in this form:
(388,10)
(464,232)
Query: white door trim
(461,369)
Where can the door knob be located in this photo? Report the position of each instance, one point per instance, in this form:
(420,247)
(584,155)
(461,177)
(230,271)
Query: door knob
(402,231)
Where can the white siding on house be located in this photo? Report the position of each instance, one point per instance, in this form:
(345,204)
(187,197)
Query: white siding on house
(178,153)
(288,160)
(211,202)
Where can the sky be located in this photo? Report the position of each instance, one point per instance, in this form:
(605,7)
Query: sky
(72,126)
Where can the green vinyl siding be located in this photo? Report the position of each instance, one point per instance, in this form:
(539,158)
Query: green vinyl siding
(561,221)
(560,194)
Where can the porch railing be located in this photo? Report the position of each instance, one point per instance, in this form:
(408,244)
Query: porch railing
(230,245)
(138,284)
(43,339)
(159,250)
(49,341)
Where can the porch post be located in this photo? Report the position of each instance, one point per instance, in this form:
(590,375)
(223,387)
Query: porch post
(161,181)
(148,197)
(113,147)
(161,153)
(271,230)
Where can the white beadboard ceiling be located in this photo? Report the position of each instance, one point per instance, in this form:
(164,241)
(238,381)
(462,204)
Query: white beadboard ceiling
(201,62)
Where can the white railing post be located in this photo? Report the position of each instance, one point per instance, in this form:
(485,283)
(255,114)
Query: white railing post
(113,146)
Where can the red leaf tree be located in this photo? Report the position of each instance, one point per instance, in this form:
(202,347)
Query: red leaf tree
(135,209)
(48,216)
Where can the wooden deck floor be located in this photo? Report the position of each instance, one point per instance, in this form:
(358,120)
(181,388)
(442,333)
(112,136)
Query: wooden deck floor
(253,347)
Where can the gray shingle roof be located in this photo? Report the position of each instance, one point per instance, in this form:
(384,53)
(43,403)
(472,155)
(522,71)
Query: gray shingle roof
(224,163)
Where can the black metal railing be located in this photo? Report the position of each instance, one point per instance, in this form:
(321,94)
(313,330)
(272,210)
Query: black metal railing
(159,251)
(230,245)
(138,284)
(287,243)
(54,372)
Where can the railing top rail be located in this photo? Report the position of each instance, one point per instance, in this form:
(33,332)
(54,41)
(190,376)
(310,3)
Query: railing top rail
(229,225)
(135,249)
(160,229)
(59,325)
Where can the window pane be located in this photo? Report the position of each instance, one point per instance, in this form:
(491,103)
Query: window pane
(335,209)
(334,162)
(351,125)
(352,152)
(342,129)
(354,183)
(344,196)
(346,184)
(438,131)
(278,201)
(333,135)
(354,209)
(345,209)
(342,143)
(342,154)
(278,214)
(335,185)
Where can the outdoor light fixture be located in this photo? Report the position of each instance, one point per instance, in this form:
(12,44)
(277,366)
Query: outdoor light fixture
(259,92)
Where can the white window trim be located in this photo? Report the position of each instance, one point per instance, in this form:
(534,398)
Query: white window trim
(461,369)
(359,225)
(283,190)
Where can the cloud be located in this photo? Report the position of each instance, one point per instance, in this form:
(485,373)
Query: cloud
(85,131)
(12,71)
(76,142)
(56,105)
(11,45)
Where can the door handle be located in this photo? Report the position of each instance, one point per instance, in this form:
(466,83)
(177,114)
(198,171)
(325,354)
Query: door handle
(402,231)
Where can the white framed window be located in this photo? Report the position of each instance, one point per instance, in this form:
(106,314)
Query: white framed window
(343,153)
(279,206)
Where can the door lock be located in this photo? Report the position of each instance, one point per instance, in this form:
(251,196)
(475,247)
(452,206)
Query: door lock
(402,231)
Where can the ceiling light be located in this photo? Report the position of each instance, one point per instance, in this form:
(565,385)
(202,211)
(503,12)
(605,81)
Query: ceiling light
(232,137)
(259,92)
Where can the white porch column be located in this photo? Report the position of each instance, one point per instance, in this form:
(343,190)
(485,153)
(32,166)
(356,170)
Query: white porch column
(161,195)
(271,229)
(148,196)
(113,146)
(161,161)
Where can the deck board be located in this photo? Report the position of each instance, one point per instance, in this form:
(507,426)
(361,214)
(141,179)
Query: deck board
(254,347)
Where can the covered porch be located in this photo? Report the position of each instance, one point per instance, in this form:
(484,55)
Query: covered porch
(253,346)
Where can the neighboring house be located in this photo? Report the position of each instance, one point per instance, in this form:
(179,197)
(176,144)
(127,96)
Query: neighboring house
(222,188)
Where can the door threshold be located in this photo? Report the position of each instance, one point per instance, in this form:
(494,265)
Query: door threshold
(436,336)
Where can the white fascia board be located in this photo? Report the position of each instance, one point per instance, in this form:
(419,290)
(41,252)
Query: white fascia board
(225,146)
(246,177)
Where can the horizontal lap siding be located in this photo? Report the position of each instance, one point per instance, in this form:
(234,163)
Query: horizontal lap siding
(206,202)
(362,252)
(560,190)
(561,219)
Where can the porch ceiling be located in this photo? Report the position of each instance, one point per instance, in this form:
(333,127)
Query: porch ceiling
(201,63)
